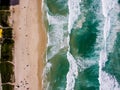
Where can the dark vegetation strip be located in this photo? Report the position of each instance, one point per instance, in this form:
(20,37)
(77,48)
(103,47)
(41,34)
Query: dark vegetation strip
(8,87)
(6,68)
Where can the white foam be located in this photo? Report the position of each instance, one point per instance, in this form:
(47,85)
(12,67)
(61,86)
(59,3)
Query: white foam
(56,38)
(45,83)
(115,26)
(84,64)
(80,23)
(74,12)
(59,20)
(46,69)
(73,72)
(106,29)
(107,82)
(107,5)
(42,4)
(103,53)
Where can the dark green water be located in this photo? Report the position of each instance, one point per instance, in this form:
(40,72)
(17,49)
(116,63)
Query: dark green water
(58,71)
(88,79)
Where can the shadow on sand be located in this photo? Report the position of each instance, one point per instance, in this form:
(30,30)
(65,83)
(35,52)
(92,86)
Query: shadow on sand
(8,2)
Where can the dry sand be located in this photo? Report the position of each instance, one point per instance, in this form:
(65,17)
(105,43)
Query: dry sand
(30,43)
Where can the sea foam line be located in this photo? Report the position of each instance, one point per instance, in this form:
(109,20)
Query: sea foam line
(56,39)
(72,73)
(74,12)
(106,81)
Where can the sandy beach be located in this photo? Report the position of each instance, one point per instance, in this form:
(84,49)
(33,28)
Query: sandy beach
(30,42)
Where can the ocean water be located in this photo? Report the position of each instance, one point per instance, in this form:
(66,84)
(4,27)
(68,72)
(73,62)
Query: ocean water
(83,49)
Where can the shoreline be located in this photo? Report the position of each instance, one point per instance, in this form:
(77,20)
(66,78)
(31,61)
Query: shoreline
(30,44)
(42,33)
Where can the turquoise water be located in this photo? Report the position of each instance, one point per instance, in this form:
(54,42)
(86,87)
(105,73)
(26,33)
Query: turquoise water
(83,45)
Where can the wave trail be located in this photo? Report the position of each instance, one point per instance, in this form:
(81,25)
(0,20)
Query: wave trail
(73,72)
(107,82)
(74,12)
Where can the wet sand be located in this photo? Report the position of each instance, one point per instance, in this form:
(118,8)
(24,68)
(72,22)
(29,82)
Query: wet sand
(30,43)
